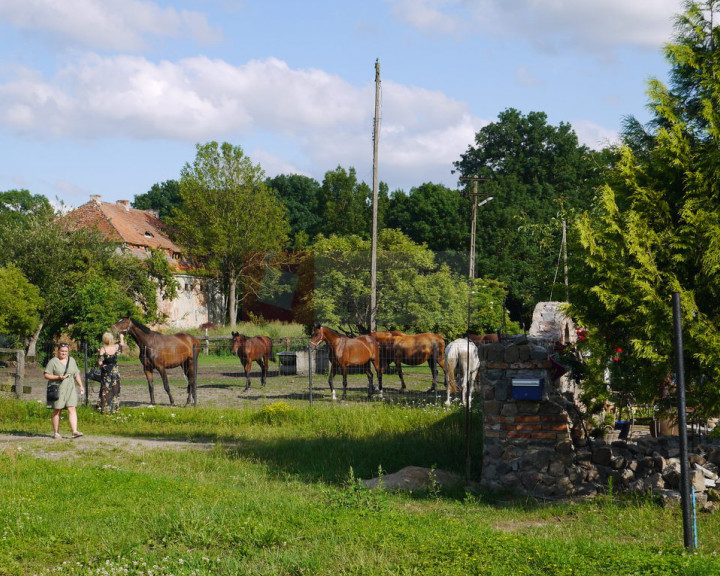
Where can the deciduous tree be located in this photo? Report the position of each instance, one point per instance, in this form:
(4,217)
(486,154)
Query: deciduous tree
(539,175)
(229,220)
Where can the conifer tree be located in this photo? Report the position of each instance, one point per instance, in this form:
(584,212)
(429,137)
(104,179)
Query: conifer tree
(655,229)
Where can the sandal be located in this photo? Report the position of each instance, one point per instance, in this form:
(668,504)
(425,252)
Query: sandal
(77,434)
(57,436)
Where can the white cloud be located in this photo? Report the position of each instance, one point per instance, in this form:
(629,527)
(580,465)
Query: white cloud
(594,25)
(198,99)
(594,136)
(106,24)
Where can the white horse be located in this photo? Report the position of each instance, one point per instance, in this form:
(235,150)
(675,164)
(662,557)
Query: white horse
(461,355)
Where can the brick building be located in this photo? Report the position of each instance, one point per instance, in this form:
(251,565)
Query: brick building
(140,231)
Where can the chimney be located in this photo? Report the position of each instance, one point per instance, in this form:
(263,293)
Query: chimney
(95,198)
(125,204)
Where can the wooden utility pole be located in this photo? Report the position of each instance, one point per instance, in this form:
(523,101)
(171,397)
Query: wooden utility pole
(473,215)
(373,241)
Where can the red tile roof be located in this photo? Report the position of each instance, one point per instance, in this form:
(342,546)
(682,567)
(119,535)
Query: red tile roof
(139,230)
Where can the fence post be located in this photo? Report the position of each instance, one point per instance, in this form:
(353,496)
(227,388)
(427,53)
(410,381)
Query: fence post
(20,373)
(310,371)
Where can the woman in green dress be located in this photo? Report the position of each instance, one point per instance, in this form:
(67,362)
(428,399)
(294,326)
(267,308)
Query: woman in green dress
(63,368)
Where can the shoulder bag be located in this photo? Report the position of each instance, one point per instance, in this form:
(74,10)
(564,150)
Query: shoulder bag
(53,387)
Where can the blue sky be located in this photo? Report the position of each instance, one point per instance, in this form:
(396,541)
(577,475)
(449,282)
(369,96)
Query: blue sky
(111,96)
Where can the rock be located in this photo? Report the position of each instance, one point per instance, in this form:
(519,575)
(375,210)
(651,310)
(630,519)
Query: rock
(707,473)
(697,480)
(671,474)
(416,478)
(602,456)
(668,497)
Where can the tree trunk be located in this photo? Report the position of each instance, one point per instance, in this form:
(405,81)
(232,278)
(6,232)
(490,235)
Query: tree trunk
(32,343)
(232,300)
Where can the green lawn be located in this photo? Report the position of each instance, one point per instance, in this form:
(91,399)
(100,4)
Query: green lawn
(278,494)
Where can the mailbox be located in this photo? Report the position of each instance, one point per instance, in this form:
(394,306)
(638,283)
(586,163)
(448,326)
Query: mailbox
(527,388)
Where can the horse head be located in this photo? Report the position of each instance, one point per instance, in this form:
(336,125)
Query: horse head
(123,325)
(318,336)
(237,341)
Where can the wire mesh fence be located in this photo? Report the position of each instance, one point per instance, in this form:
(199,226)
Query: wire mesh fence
(296,372)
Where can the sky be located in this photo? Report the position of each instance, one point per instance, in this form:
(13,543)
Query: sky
(110,97)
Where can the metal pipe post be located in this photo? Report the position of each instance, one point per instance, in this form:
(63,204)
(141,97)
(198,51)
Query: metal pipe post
(682,422)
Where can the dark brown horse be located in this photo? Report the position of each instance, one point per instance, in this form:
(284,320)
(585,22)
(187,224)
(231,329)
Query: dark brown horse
(162,351)
(413,350)
(346,352)
(256,349)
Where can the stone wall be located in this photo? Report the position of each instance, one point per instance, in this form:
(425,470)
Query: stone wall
(535,447)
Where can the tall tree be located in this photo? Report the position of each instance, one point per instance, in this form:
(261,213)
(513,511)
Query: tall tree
(161,198)
(656,225)
(344,204)
(299,195)
(431,214)
(230,220)
(539,175)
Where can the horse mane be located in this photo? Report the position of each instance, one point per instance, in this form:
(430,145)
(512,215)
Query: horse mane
(141,326)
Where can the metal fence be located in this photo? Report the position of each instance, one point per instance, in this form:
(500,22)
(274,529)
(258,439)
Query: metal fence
(295,372)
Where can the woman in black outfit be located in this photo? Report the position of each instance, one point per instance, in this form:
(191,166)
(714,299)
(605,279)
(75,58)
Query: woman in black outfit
(110,385)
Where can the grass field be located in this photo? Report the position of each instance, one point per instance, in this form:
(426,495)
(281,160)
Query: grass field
(277,492)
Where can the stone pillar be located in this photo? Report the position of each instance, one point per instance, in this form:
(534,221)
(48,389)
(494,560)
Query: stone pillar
(527,444)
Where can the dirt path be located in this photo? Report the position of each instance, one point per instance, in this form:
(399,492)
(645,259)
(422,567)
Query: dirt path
(44,446)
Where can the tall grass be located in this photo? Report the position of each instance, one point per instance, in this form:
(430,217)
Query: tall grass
(278,493)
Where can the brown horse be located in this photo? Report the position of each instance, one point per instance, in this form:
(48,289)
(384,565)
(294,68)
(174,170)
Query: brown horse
(162,351)
(346,352)
(256,349)
(413,350)
(478,339)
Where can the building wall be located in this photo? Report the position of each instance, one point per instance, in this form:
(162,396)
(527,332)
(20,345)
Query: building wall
(199,301)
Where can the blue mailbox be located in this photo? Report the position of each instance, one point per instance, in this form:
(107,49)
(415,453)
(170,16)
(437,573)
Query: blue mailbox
(527,388)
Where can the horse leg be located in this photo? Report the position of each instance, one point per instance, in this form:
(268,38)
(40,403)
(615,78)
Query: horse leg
(344,373)
(378,371)
(433,371)
(263,370)
(369,375)
(166,384)
(189,369)
(398,364)
(451,387)
(330,379)
(149,376)
(248,368)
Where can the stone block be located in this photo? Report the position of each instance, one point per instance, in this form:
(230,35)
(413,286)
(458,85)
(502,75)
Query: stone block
(510,409)
(503,388)
(495,352)
(538,353)
(512,354)
(492,407)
